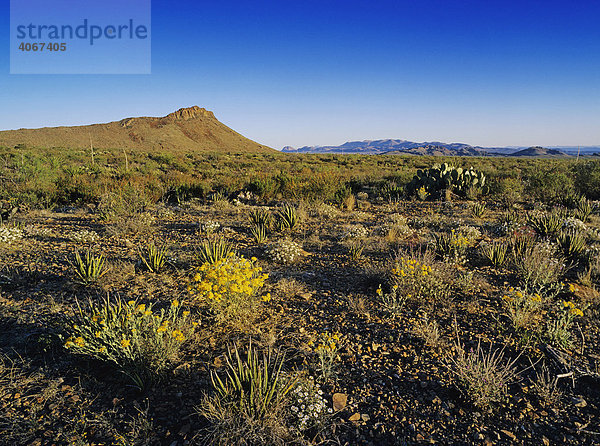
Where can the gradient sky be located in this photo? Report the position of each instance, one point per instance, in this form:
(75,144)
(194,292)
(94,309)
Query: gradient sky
(307,72)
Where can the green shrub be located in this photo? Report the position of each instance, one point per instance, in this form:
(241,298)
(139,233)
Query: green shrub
(587,179)
(138,341)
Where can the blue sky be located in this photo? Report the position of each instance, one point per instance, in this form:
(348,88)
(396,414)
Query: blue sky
(324,72)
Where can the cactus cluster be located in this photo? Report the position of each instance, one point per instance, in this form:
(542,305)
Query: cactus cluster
(447,177)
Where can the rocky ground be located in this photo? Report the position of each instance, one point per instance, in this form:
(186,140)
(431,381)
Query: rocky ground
(392,379)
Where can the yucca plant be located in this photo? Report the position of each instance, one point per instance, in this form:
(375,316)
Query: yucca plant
(259,232)
(478,210)
(154,257)
(255,384)
(521,244)
(545,224)
(571,242)
(89,268)
(584,209)
(214,249)
(287,217)
(261,217)
(495,253)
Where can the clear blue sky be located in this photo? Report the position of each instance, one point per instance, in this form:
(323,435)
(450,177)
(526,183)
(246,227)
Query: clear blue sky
(323,72)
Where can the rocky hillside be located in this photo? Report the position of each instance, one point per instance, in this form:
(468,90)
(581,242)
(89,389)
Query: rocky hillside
(193,128)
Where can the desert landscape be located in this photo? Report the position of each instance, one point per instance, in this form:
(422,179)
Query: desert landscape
(167,281)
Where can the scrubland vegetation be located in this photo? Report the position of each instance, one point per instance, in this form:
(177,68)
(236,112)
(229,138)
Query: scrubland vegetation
(283,299)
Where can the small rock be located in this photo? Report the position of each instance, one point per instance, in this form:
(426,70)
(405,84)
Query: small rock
(354,417)
(545,441)
(579,401)
(365,417)
(339,401)
(509,434)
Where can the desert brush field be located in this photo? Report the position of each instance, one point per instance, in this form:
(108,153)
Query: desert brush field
(270,299)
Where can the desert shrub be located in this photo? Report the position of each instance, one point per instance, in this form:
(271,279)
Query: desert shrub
(452,245)
(587,179)
(155,258)
(558,328)
(524,312)
(307,405)
(140,342)
(284,251)
(545,387)
(508,190)
(393,301)
(418,279)
(550,183)
(325,348)
(230,288)
(214,249)
(428,330)
(89,268)
(249,402)
(483,376)
(540,269)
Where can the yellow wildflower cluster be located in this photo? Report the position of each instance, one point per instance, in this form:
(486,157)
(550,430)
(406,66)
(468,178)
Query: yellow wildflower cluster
(226,277)
(517,296)
(127,333)
(326,342)
(458,240)
(410,267)
(572,309)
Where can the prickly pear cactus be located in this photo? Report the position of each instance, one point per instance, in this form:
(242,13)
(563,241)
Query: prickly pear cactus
(442,177)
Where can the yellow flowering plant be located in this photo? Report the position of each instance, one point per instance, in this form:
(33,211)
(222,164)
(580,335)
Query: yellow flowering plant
(558,330)
(325,347)
(138,340)
(414,278)
(525,311)
(230,288)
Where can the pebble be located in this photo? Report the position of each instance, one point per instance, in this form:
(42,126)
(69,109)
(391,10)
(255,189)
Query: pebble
(579,401)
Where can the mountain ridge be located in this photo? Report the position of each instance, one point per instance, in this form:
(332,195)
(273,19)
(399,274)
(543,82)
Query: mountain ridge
(189,128)
(437,148)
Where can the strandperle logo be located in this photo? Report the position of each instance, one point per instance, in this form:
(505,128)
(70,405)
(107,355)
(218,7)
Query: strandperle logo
(85,31)
(80,36)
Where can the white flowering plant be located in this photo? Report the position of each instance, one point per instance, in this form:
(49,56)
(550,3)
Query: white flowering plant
(308,407)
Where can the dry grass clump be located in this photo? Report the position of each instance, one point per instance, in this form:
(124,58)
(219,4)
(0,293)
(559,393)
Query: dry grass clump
(483,376)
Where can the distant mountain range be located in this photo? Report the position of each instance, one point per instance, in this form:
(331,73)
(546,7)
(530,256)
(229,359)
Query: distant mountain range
(436,148)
